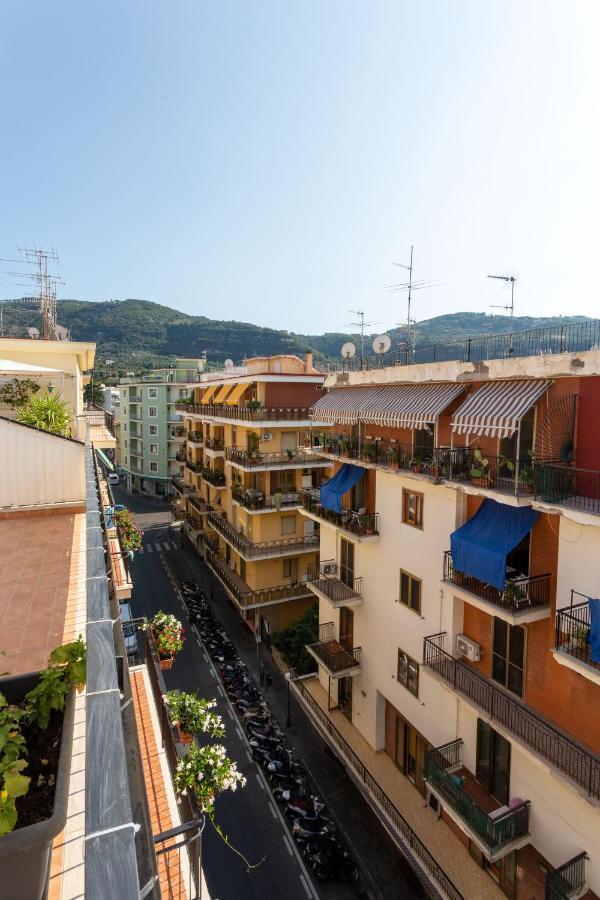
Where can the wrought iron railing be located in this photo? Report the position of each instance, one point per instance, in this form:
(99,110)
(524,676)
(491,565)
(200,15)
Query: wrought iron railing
(565,754)
(214,476)
(247,414)
(253,499)
(250,549)
(495,834)
(194,466)
(354,521)
(577,488)
(331,653)
(519,594)
(252,459)
(199,504)
(195,437)
(573,629)
(498,473)
(416,847)
(326,578)
(247,598)
(181,485)
(381,452)
(214,443)
(568,880)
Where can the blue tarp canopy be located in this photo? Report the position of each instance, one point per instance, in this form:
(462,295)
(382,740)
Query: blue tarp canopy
(334,489)
(481,546)
(594,635)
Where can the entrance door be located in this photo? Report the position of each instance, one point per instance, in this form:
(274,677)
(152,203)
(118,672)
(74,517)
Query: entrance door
(346,562)
(416,748)
(345,697)
(346,628)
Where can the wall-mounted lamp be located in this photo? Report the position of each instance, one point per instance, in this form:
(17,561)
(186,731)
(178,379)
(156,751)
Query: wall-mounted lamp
(50,387)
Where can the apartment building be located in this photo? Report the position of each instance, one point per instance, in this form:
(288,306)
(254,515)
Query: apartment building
(240,495)
(150,431)
(459,637)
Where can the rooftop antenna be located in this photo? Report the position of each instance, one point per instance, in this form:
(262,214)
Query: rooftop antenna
(509,279)
(361,316)
(409,286)
(46,284)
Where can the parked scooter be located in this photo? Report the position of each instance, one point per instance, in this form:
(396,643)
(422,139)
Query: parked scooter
(329,860)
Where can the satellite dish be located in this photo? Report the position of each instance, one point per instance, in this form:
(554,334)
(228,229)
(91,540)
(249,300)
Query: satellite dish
(348,350)
(382,343)
(228,363)
(62,333)
(33,332)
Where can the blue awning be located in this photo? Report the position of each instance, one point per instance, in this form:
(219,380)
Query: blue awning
(334,489)
(481,546)
(594,635)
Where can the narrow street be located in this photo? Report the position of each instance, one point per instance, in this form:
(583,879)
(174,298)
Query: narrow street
(249,817)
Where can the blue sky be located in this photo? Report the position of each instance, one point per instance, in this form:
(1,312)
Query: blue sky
(269,161)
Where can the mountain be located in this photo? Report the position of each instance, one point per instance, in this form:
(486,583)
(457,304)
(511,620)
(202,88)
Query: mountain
(139,333)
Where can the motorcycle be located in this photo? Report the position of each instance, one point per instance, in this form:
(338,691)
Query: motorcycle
(331,861)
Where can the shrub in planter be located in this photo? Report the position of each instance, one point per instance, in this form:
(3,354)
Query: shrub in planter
(207,772)
(192,715)
(131,538)
(168,636)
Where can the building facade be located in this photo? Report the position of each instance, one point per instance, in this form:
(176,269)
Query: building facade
(150,431)
(459,550)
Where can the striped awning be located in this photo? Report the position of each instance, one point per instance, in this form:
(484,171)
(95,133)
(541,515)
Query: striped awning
(236,394)
(497,408)
(409,405)
(104,459)
(343,405)
(223,391)
(208,393)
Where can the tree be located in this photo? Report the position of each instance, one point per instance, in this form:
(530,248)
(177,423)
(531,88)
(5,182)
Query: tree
(48,413)
(291,641)
(16,393)
(93,393)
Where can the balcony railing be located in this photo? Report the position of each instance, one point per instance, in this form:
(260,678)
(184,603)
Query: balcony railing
(573,630)
(568,486)
(575,761)
(214,443)
(246,597)
(252,459)
(214,476)
(194,466)
(180,485)
(266,548)
(380,452)
(567,881)
(135,398)
(494,833)
(246,414)
(331,653)
(252,499)
(520,594)
(195,437)
(199,504)
(354,521)
(181,456)
(326,578)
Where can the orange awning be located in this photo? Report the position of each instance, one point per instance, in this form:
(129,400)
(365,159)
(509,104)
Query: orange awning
(236,394)
(223,393)
(208,393)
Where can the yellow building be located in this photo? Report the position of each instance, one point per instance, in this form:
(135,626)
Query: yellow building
(245,468)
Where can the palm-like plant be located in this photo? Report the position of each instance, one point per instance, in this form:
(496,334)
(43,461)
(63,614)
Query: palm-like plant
(48,413)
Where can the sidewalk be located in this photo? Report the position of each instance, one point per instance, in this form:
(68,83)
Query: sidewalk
(449,851)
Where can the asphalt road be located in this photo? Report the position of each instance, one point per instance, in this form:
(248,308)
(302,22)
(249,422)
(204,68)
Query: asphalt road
(249,816)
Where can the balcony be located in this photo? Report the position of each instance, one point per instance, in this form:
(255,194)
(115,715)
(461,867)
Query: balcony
(244,596)
(357,523)
(496,831)
(250,550)
(572,638)
(200,505)
(577,489)
(180,485)
(135,398)
(195,437)
(214,443)
(214,476)
(523,599)
(284,459)
(194,466)
(324,579)
(255,501)
(247,414)
(573,760)
(568,881)
(181,456)
(337,661)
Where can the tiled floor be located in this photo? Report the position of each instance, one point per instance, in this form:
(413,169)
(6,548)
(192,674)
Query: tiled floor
(42,577)
(447,849)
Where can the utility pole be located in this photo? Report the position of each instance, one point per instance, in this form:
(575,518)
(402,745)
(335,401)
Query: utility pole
(509,279)
(46,284)
(409,286)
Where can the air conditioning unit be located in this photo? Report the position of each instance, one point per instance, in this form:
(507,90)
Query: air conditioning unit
(266,436)
(468,647)
(328,568)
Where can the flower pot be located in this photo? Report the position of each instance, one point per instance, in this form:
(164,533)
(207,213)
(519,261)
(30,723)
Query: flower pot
(165,663)
(25,852)
(184,737)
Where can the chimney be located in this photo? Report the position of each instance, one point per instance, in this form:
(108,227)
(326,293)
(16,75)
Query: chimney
(308,363)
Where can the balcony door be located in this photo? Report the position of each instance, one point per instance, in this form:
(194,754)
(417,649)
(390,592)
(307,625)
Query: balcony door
(357,494)
(346,628)
(508,656)
(493,761)
(346,562)
(345,697)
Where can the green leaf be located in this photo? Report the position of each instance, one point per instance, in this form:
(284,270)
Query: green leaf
(8,817)
(16,785)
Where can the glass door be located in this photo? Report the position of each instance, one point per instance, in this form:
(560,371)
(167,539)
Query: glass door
(346,562)
(493,761)
(345,697)
(346,627)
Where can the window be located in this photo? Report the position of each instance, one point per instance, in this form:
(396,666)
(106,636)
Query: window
(152,395)
(125,443)
(346,562)
(124,426)
(153,448)
(412,508)
(234,436)
(125,411)
(408,673)
(508,656)
(153,429)
(288,524)
(154,467)
(152,411)
(493,761)
(125,460)
(410,591)
(289,440)
(290,568)
(283,482)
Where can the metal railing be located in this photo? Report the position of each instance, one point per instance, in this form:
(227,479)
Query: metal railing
(568,880)
(195,437)
(354,521)
(214,443)
(251,598)
(265,548)
(519,594)
(214,476)
(194,466)
(569,486)
(498,473)
(252,499)
(331,653)
(573,630)
(379,451)
(417,848)
(496,834)
(199,504)
(252,458)
(182,486)
(573,338)
(246,414)
(575,761)
(325,576)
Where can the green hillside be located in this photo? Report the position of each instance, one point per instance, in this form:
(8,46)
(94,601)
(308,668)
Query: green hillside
(139,333)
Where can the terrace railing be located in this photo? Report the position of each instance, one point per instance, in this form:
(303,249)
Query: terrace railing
(354,521)
(248,598)
(195,437)
(568,880)
(214,443)
(568,486)
(331,653)
(265,548)
(247,414)
(573,629)
(326,577)
(252,499)
(276,459)
(518,595)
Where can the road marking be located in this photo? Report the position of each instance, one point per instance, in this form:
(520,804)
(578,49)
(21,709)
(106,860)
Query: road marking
(249,755)
(309,893)
(288,845)
(149,548)
(167,545)
(274,814)
(258,778)
(204,654)
(157,546)
(229,712)
(221,691)
(198,641)
(173,545)
(238,731)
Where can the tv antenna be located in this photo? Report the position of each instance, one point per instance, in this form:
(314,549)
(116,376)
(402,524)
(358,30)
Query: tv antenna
(509,279)
(408,287)
(361,321)
(46,284)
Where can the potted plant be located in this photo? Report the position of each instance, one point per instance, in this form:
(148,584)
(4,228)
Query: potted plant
(368,521)
(416,464)
(480,472)
(368,452)
(254,404)
(130,537)
(206,772)
(343,444)
(580,636)
(167,632)
(391,455)
(290,454)
(36,726)
(278,499)
(191,715)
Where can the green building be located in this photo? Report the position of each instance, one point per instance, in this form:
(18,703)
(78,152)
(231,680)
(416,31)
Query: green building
(149,430)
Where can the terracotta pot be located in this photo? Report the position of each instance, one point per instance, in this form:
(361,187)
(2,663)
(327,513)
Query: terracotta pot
(184,737)
(165,663)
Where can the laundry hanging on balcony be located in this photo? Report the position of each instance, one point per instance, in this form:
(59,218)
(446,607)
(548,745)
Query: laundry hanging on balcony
(497,408)
(594,635)
(480,547)
(334,489)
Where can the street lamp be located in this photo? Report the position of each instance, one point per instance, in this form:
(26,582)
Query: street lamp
(288,721)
